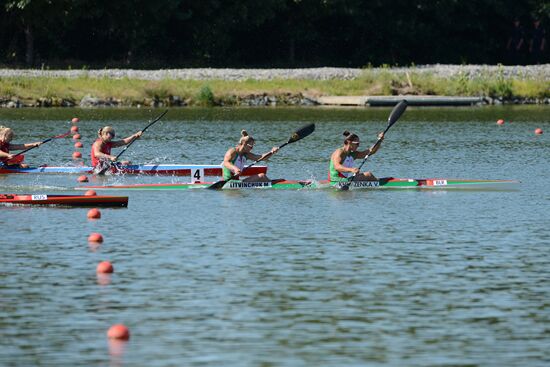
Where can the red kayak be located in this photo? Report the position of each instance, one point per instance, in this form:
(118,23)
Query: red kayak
(64,200)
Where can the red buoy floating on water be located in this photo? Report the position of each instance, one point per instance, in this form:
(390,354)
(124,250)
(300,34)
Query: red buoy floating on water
(74,129)
(118,331)
(90,193)
(75,120)
(77,137)
(500,122)
(77,155)
(105,267)
(94,213)
(95,237)
(538,131)
(82,178)
(78,144)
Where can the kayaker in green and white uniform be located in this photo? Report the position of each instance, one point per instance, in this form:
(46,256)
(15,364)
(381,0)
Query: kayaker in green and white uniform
(235,159)
(341,161)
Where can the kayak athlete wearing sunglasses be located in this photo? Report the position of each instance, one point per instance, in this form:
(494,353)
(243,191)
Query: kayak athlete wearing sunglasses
(341,161)
(235,159)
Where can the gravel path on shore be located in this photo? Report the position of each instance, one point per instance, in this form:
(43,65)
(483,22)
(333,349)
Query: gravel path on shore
(541,72)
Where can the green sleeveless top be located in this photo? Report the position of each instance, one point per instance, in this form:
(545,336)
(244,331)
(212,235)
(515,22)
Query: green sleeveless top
(238,161)
(334,175)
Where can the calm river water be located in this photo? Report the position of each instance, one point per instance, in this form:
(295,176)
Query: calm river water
(286,278)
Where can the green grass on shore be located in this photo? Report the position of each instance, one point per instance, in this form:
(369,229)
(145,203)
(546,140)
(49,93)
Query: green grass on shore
(131,92)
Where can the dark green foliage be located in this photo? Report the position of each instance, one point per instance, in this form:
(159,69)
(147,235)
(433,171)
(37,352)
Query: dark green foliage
(205,97)
(252,33)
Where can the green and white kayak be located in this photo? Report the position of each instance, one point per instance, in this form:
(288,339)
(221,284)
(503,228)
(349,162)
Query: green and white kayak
(383,183)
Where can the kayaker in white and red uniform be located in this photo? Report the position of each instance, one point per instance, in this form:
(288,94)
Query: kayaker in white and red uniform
(8,159)
(341,165)
(235,159)
(101,148)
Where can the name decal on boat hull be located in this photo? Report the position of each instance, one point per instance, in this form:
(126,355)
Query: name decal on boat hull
(247,185)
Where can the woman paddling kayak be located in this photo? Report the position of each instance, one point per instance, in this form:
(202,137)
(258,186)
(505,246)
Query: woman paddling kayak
(7,159)
(101,148)
(235,159)
(341,161)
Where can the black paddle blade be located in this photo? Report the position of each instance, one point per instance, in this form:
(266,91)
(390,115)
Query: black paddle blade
(217,186)
(302,133)
(396,113)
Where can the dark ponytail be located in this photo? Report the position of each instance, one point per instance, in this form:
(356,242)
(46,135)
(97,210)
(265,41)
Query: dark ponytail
(349,136)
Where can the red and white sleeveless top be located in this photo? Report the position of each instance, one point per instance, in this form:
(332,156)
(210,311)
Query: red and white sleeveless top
(5,147)
(106,149)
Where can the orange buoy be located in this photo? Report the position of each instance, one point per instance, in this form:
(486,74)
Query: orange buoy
(77,155)
(74,129)
(105,267)
(118,331)
(78,144)
(94,213)
(75,120)
(76,136)
(82,178)
(95,237)
(90,193)
(500,122)
(538,131)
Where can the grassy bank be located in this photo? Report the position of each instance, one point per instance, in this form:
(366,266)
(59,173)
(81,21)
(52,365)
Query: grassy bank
(42,91)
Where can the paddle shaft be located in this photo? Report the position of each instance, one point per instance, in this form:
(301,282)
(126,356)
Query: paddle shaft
(36,146)
(254,163)
(371,149)
(142,130)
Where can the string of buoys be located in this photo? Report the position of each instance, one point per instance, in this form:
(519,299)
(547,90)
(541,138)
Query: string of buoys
(538,130)
(117,333)
(77,155)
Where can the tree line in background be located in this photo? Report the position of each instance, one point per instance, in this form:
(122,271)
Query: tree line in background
(266,33)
